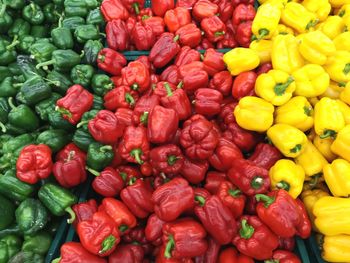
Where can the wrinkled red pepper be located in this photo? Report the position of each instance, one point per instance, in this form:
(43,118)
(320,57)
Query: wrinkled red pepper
(225,10)
(193,77)
(176,18)
(164,50)
(189,35)
(114,9)
(143,107)
(144,12)
(162,259)
(203,9)
(243,85)
(124,116)
(282,256)
(213,61)
(143,36)
(133,6)
(167,158)
(107,183)
(213,28)
(205,44)
(207,102)
(171,74)
(130,25)
(117,35)
(232,198)
(222,81)
(159,7)
(156,23)
(127,253)
(186,3)
(111,61)
(265,155)
(230,255)
(75,252)
(243,13)
(286,243)
(212,253)
(264,68)
(187,56)
(120,97)
(84,211)
(162,87)
(154,226)
(229,40)
(136,75)
(244,34)
(128,172)
(194,171)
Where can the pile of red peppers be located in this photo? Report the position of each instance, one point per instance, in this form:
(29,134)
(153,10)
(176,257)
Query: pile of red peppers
(186,183)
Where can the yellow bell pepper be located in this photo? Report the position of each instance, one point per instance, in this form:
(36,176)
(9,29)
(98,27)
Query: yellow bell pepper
(297,112)
(321,8)
(296,16)
(345,110)
(311,160)
(288,139)
(285,55)
(276,86)
(313,101)
(337,177)
(287,175)
(341,145)
(311,80)
(338,66)
(283,30)
(309,198)
(324,146)
(254,114)
(336,248)
(241,59)
(345,94)
(343,11)
(332,26)
(332,215)
(266,20)
(341,41)
(338,3)
(263,48)
(333,91)
(316,47)
(328,118)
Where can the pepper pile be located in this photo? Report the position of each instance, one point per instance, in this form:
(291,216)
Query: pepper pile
(302,104)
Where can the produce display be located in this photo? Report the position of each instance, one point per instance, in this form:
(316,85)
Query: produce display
(224,140)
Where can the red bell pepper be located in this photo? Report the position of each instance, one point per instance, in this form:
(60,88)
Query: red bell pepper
(229,39)
(254,238)
(107,183)
(128,172)
(186,3)
(213,28)
(124,116)
(154,226)
(165,49)
(283,256)
(105,128)
(75,103)
(248,177)
(128,253)
(243,85)
(264,68)
(143,107)
(146,169)
(120,97)
(167,158)
(246,2)
(134,147)
(265,155)
(137,236)
(111,61)
(84,211)
(120,214)
(243,13)
(176,18)
(205,44)
(144,12)
(114,9)
(159,7)
(199,139)
(117,35)
(193,78)
(189,35)
(186,56)
(213,61)
(162,87)
(99,235)
(184,238)
(156,23)
(130,25)
(143,36)
(207,101)
(136,76)
(178,101)
(286,243)
(244,34)
(194,171)
(203,9)
(279,211)
(216,218)
(162,124)
(225,154)
(230,255)
(133,6)
(166,199)
(138,198)
(162,259)
(232,198)
(171,74)
(69,168)
(34,163)
(225,10)
(222,81)
(145,60)
(212,253)
(117,81)
(226,117)
(75,252)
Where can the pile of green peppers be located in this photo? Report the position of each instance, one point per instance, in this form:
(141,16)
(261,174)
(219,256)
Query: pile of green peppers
(46,46)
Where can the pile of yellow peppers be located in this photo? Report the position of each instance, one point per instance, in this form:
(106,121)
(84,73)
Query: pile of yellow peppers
(303,106)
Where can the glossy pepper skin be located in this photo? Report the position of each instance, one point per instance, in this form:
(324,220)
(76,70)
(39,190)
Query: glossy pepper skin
(143,36)
(114,9)
(165,197)
(285,224)
(143,107)
(243,84)
(254,238)
(21,117)
(335,175)
(213,61)
(8,212)
(34,163)
(9,246)
(203,9)
(159,7)
(99,235)
(156,23)
(187,55)
(120,97)
(336,248)
(109,182)
(111,61)
(265,155)
(216,218)
(136,75)
(164,50)
(242,13)
(184,238)
(222,81)
(117,35)
(339,144)
(266,21)
(189,35)
(213,28)
(84,211)
(153,229)
(232,198)
(193,76)
(176,18)
(248,177)
(207,102)
(194,171)
(129,253)
(74,251)
(167,159)
(230,254)
(247,59)
(284,256)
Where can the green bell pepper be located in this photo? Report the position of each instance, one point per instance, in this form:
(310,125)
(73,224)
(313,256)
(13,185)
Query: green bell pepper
(91,49)
(95,17)
(13,130)
(39,243)
(7,212)
(44,107)
(5,20)
(82,139)
(58,2)
(62,37)
(39,31)
(87,32)
(98,103)
(8,88)
(22,117)
(51,13)
(27,66)
(58,200)
(55,139)
(33,14)
(101,84)
(7,51)
(82,74)
(19,28)
(60,82)
(34,90)
(13,188)
(58,122)
(99,156)
(75,8)
(10,245)
(73,22)
(31,216)
(42,50)
(4,111)
(62,60)
(25,44)
(14,4)
(5,72)
(87,116)
(27,257)
(14,69)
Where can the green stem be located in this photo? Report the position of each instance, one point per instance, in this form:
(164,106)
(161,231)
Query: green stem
(129,99)
(82,123)
(2,126)
(272,261)
(64,111)
(57,260)
(136,8)
(263,32)
(281,88)
(107,244)
(172,159)
(257,182)
(16,85)
(219,33)
(10,102)
(135,86)
(200,200)
(2,167)
(267,200)
(168,89)
(144,118)
(296,149)
(312,23)
(101,57)
(346,69)
(144,17)
(180,85)
(169,247)
(14,43)
(136,154)
(132,180)
(70,211)
(106,148)
(234,193)
(246,230)
(307,110)
(328,133)
(283,185)
(45,64)
(92,171)
(123,175)
(123,228)
(176,38)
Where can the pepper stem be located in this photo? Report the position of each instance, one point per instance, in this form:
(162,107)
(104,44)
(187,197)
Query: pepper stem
(296,149)
(272,261)
(144,17)
(172,159)
(10,102)
(234,193)
(107,244)
(123,175)
(200,200)
(314,180)
(135,86)
(246,230)
(57,260)
(280,88)
(136,8)
(219,33)
(168,89)
(123,228)
(144,118)
(328,133)
(82,123)
(70,211)
(263,32)
(92,171)
(132,180)
(267,200)
(169,246)
(45,64)
(176,38)
(180,85)
(257,182)
(312,23)
(106,148)
(129,99)
(136,154)
(283,185)
(101,57)
(64,112)
(4,166)
(3,128)
(307,110)
(13,44)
